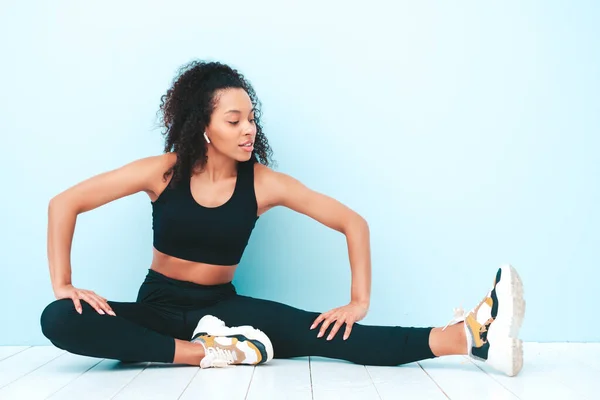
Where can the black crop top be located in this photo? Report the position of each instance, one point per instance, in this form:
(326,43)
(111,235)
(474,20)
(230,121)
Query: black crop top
(213,235)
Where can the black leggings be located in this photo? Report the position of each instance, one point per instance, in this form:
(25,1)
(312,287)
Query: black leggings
(167,308)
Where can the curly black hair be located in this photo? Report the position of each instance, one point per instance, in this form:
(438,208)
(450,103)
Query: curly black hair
(186,108)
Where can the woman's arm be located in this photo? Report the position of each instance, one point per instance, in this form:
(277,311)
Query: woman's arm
(63,209)
(276,189)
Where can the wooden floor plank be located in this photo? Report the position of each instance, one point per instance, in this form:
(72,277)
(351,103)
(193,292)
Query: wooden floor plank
(548,374)
(551,370)
(9,351)
(404,382)
(103,381)
(333,379)
(281,379)
(22,363)
(48,378)
(460,379)
(219,383)
(586,353)
(159,381)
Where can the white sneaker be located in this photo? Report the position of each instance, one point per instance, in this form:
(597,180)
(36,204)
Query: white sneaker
(492,327)
(225,346)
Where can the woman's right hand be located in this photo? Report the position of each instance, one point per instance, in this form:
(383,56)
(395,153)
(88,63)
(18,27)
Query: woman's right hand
(99,303)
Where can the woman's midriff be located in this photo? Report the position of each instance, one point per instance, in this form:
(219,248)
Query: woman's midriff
(184,270)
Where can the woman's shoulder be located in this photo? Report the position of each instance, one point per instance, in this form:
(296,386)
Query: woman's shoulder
(271,183)
(158,170)
(264,174)
(156,162)
(261,169)
(167,160)
(160,164)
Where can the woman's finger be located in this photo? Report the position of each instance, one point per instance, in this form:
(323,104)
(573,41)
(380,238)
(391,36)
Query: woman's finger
(319,319)
(348,329)
(104,305)
(77,303)
(335,328)
(109,310)
(92,302)
(100,303)
(91,292)
(326,324)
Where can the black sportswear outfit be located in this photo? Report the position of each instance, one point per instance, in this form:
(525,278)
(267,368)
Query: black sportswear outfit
(167,308)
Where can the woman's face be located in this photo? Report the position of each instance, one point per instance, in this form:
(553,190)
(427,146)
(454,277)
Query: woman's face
(232,129)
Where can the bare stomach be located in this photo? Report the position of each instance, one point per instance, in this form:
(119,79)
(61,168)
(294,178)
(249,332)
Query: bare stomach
(184,270)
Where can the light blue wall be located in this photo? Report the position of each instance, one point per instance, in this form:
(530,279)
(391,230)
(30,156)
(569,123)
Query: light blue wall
(466,134)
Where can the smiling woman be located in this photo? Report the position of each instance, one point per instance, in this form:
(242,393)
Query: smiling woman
(207,192)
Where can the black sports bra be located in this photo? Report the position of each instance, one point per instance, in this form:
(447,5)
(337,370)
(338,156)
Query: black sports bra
(219,235)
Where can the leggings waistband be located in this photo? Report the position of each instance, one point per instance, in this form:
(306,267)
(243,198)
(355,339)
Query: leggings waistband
(156,277)
(161,290)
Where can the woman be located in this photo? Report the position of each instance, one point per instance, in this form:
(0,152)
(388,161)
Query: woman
(207,192)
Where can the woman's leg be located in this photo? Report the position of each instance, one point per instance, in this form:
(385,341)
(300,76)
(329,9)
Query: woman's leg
(488,333)
(150,329)
(288,328)
(138,332)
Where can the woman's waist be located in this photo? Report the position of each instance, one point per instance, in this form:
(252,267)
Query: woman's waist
(189,271)
(160,289)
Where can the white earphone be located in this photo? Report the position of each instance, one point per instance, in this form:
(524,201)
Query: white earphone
(206,138)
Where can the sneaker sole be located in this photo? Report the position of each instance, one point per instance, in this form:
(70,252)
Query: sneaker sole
(511,302)
(504,332)
(506,355)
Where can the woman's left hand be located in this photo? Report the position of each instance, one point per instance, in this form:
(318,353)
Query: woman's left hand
(349,314)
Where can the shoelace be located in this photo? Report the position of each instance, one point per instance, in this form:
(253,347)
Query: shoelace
(459,316)
(217,357)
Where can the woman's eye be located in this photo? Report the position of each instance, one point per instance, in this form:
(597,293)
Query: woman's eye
(233,122)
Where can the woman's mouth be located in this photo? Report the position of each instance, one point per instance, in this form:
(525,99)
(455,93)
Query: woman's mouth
(247,146)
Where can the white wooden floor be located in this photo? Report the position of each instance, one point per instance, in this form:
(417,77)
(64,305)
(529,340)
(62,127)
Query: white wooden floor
(552,371)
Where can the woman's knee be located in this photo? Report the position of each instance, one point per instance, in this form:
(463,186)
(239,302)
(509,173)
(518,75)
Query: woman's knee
(57,318)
